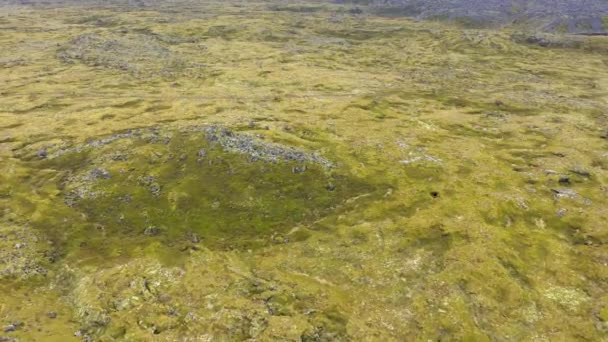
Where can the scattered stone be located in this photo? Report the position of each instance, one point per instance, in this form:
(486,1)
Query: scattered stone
(231,142)
(118,157)
(260,150)
(100,173)
(564,193)
(140,54)
(194,238)
(42,154)
(147,180)
(425,157)
(252,124)
(21,253)
(561,212)
(13,326)
(580,172)
(125,198)
(567,296)
(547,41)
(564,180)
(151,231)
(51,314)
(164,298)
(298,169)
(155,189)
(604,135)
(201,155)
(94,143)
(150,182)
(495,115)
(157,139)
(72,198)
(330,187)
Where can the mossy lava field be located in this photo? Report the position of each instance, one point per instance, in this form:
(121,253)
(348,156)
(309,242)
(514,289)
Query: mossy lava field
(269,171)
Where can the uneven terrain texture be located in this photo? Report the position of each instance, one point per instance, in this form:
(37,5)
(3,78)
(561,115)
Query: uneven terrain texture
(254,171)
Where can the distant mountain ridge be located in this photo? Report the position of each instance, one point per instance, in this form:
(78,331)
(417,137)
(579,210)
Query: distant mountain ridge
(572,16)
(567,16)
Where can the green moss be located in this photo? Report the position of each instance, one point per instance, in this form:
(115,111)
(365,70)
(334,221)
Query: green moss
(172,193)
(604,314)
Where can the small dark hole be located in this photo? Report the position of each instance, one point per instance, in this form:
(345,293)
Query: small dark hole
(434,194)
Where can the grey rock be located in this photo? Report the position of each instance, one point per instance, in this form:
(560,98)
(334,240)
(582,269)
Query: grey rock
(94,143)
(99,173)
(118,157)
(201,153)
(151,231)
(125,198)
(193,237)
(146,180)
(564,193)
(260,150)
(155,189)
(150,182)
(298,169)
(421,158)
(581,172)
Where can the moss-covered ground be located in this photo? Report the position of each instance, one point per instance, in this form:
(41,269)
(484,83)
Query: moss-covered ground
(374,178)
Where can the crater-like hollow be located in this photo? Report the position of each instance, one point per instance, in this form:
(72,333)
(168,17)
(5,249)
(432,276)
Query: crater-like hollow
(207,186)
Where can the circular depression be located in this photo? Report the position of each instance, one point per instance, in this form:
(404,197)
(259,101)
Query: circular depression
(186,189)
